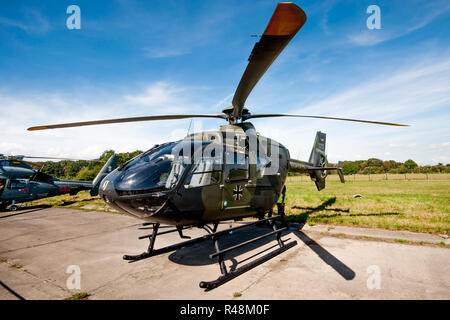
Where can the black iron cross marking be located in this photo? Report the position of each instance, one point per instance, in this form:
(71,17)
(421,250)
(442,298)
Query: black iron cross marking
(237,193)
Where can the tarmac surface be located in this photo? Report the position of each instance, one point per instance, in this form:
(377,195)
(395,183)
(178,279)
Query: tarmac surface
(38,245)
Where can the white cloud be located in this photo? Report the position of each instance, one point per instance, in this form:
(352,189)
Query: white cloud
(440,145)
(159,96)
(396,95)
(35,23)
(156,53)
(418,95)
(372,37)
(20,111)
(223,103)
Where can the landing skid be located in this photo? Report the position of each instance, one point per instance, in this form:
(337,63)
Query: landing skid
(214,235)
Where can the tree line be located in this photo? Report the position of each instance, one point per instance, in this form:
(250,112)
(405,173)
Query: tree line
(88,169)
(374,166)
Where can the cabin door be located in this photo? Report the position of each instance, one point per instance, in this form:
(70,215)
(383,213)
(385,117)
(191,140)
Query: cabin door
(237,189)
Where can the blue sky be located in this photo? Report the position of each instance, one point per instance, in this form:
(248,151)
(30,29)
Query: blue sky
(133,58)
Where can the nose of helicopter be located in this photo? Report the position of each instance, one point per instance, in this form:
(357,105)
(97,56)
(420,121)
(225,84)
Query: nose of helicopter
(122,191)
(107,191)
(111,197)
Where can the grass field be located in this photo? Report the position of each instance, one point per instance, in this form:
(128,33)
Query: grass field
(415,204)
(82,201)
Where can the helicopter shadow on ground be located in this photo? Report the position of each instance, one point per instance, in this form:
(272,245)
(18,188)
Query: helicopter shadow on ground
(25,210)
(302,217)
(326,256)
(198,254)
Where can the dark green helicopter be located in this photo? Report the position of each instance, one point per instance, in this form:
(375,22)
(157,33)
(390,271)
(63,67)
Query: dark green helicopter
(212,176)
(19,182)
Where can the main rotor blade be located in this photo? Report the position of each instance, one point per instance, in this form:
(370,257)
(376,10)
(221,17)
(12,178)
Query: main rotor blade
(287,19)
(54,158)
(269,115)
(120,120)
(31,164)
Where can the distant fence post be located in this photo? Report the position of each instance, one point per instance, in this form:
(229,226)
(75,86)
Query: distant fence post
(426,172)
(369,174)
(385,171)
(354,177)
(405,174)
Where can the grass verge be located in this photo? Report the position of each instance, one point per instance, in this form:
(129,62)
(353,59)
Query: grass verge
(414,205)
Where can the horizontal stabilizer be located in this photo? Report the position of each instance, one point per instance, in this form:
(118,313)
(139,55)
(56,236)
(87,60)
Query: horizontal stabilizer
(299,166)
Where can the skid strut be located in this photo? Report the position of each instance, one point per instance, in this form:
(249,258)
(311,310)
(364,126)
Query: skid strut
(214,235)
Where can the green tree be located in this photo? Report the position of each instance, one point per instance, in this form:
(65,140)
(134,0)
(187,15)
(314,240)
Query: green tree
(106,154)
(87,174)
(349,167)
(124,157)
(373,162)
(410,164)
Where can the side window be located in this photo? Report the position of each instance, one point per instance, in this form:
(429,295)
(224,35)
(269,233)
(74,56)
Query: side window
(16,184)
(175,174)
(206,172)
(2,185)
(262,163)
(236,166)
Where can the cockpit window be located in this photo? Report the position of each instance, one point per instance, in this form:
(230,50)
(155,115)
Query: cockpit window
(162,153)
(2,185)
(160,168)
(262,162)
(16,184)
(206,171)
(175,174)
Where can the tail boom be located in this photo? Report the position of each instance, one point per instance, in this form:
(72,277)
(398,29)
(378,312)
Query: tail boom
(317,166)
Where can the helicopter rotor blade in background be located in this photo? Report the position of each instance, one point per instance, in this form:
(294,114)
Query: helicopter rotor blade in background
(133,119)
(40,166)
(285,22)
(31,164)
(54,158)
(269,115)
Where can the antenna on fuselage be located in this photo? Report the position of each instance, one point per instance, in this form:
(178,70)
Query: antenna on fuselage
(189,129)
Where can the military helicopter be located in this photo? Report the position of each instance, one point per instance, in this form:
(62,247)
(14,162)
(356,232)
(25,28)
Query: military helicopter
(19,182)
(212,176)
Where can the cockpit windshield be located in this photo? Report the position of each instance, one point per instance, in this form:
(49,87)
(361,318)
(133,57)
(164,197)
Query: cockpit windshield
(157,152)
(159,168)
